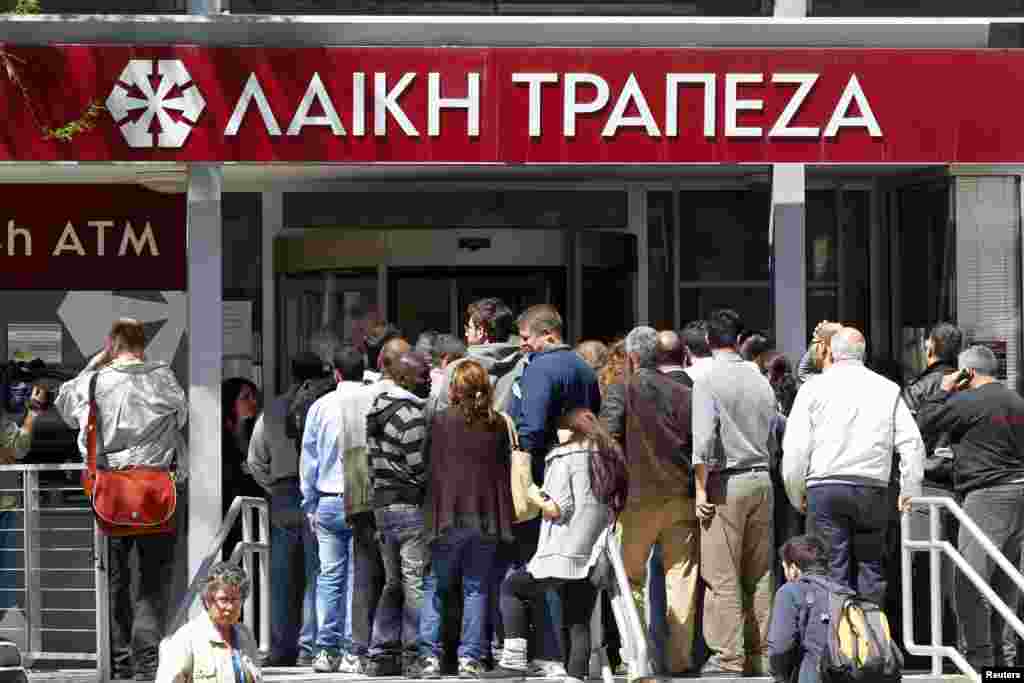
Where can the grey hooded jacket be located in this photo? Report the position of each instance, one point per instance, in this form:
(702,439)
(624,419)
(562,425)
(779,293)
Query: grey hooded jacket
(504,361)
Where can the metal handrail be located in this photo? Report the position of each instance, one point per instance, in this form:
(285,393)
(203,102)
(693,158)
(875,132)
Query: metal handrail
(244,550)
(33,609)
(627,618)
(937,547)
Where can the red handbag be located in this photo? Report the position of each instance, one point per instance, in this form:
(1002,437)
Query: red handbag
(135,501)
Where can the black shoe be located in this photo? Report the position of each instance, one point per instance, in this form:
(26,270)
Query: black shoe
(281,660)
(383,666)
(304,661)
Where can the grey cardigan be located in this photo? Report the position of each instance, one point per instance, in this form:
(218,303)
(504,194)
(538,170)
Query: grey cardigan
(571,545)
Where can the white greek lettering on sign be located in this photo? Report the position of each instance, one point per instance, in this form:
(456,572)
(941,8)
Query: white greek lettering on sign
(589,93)
(133,242)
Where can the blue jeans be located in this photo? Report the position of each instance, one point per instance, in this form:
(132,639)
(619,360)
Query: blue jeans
(465,552)
(853,520)
(365,581)
(403,548)
(335,541)
(294,565)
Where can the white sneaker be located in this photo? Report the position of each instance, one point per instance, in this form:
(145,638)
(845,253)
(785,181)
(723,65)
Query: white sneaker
(540,668)
(351,664)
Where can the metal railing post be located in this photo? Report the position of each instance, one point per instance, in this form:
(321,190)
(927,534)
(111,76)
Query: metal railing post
(946,548)
(100,560)
(33,596)
(247,560)
(935,560)
(264,517)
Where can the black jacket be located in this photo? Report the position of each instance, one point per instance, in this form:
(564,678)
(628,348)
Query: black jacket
(927,386)
(986,429)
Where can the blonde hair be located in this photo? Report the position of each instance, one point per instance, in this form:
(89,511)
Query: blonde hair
(614,370)
(471,393)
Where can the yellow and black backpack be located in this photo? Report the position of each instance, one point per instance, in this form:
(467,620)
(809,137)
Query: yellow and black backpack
(860,645)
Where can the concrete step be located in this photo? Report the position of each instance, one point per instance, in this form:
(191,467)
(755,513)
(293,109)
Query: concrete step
(307,675)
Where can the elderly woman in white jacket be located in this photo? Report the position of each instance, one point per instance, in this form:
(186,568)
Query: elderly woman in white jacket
(213,646)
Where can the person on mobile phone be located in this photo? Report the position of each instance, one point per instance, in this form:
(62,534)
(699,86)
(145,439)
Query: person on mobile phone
(985,421)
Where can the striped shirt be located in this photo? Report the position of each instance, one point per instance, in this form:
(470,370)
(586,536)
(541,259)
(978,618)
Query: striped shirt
(395,430)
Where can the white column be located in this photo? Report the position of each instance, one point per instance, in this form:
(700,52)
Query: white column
(791,9)
(205,351)
(638,226)
(206,7)
(273,222)
(789,270)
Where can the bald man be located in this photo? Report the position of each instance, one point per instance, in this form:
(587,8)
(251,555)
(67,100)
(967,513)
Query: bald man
(670,355)
(837,460)
(396,428)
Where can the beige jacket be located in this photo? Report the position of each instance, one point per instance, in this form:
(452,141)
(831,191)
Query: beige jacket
(197,653)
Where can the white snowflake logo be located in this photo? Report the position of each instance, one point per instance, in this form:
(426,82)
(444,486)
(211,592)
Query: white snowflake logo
(174,80)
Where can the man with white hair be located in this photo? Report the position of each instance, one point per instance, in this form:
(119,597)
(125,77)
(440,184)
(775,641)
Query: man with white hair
(838,457)
(654,425)
(985,423)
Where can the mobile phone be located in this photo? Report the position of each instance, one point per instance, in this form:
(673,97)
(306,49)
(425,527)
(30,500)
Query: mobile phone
(963,377)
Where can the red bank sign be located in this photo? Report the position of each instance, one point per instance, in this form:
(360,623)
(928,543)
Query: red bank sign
(505,105)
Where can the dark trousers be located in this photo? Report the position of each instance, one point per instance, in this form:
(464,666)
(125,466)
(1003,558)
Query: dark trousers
(853,519)
(521,592)
(367,580)
(546,642)
(137,622)
(999,512)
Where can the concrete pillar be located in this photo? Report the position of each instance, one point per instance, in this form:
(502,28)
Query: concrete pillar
(272,204)
(791,9)
(208,7)
(638,226)
(205,350)
(789,267)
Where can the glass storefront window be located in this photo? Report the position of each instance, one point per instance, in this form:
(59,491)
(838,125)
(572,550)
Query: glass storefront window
(915,8)
(525,7)
(927,273)
(724,255)
(660,234)
(548,209)
(838,225)
(343,303)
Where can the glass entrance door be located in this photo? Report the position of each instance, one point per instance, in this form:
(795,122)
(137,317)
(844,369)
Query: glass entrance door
(605,264)
(436,299)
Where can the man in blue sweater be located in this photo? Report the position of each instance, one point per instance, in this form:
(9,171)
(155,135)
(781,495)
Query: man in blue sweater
(554,382)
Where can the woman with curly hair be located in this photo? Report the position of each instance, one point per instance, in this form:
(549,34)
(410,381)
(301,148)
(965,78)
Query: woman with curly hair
(614,370)
(467,513)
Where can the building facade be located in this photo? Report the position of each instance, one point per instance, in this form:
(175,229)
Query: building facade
(631,162)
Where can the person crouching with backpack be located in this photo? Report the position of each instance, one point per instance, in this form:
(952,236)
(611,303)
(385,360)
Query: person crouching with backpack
(819,626)
(799,632)
(585,486)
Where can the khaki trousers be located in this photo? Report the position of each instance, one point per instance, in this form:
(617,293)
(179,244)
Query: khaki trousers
(672,522)
(736,557)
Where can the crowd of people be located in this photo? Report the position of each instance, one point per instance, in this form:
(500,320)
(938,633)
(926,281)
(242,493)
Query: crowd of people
(396,548)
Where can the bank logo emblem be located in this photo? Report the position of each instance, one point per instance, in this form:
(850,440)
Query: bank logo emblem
(175,91)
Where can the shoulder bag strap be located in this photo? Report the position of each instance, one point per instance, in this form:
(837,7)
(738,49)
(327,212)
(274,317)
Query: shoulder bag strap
(513,435)
(95,459)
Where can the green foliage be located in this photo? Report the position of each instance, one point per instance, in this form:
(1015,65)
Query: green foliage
(21,6)
(69,130)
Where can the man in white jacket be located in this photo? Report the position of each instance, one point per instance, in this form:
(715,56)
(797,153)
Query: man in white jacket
(838,456)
